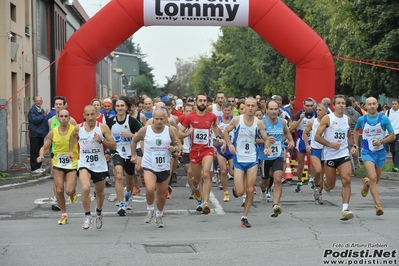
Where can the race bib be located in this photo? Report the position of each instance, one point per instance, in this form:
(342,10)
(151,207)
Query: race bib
(201,136)
(63,161)
(372,147)
(247,147)
(275,149)
(122,149)
(159,160)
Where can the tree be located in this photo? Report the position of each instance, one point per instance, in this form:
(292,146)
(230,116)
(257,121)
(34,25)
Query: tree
(143,85)
(130,47)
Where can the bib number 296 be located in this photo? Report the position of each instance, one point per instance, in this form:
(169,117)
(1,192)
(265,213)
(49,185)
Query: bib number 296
(91,158)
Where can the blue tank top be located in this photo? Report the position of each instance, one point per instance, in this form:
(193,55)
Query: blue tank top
(277,148)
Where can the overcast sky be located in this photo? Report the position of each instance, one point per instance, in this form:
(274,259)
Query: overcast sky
(163,44)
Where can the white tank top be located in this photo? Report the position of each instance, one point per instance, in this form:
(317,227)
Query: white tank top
(372,133)
(222,125)
(156,155)
(216,111)
(123,147)
(91,153)
(337,131)
(244,141)
(186,141)
(314,144)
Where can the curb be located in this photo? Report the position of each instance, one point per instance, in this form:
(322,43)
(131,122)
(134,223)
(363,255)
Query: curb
(389,176)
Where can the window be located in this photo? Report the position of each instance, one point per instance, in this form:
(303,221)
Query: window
(27,17)
(42,26)
(13,12)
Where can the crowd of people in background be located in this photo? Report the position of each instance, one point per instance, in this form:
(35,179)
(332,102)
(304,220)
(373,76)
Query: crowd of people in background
(216,139)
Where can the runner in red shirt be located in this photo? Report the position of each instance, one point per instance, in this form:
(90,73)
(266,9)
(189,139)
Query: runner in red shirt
(200,123)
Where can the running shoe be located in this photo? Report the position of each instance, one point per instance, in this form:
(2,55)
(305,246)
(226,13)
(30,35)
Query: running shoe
(174,177)
(276,211)
(129,205)
(108,182)
(316,194)
(298,187)
(191,196)
(169,195)
(136,191)
(87,221)
(245,223)
(214,178)
(378,210)
(320,201)
(99,220)
(255,190)
(158,222)
(122,209)
(229,177)
(205,208)
(364,190)
(226,197)
(149,217)
(263,197)
(73,198)
(268,194)
(63,220)
(325,187)
(311,183)
(346,215)
(199,206)
(197,194)
(55,207)
(234,193)
(220,186)
(126,194)
(243,203)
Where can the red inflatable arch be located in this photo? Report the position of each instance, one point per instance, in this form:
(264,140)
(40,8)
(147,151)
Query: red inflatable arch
(271,19)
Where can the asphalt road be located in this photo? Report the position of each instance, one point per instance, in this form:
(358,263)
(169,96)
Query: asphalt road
(304,234)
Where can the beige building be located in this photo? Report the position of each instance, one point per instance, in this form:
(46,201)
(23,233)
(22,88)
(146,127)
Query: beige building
(32,35)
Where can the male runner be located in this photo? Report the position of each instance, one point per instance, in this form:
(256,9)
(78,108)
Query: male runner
(335,134)
(64,170)
(92,165)
(374,154)
(244,149)
(160,141)
(201,153)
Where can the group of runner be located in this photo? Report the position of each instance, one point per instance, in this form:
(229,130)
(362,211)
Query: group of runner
(207,136)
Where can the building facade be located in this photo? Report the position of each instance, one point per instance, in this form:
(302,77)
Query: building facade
(32,36)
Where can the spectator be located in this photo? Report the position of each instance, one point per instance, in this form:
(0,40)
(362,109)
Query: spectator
(107,109)
(37,133)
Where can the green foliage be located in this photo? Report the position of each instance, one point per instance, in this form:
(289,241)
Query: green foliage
(143,85)
(130,47)
(242,63)
(4,175)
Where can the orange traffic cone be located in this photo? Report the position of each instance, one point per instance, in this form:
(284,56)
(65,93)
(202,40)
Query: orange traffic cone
(288,172)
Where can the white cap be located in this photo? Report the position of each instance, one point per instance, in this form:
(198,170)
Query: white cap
(179,103)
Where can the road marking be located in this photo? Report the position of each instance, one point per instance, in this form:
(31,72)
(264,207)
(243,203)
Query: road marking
(216,204)
(26,182)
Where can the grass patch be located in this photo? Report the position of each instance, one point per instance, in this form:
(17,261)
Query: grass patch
(361,172)
(7,177)
(4,175)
